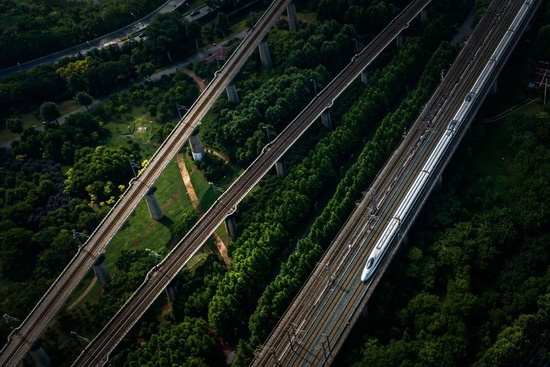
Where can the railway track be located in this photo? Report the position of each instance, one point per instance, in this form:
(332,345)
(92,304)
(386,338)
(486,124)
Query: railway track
(98,350)
(311,334)
(21,339)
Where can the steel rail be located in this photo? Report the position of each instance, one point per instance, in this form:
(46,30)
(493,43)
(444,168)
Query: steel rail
(96,353)
(268,353)
(21,339)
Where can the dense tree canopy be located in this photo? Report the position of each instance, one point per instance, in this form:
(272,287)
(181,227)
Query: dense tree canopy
(38,28)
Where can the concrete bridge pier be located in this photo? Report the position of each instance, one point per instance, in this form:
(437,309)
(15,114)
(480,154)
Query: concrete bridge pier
(424,15)
(365,76)
(231,226)
(325,119)
(153,204)
(100,270)
(293,24)
(365,312)
(196,147)
(281,169)
(494,89)
(399,40)
(172,291)
(264,54)
(405,240)
(438,182)
(38,355)
(232,95)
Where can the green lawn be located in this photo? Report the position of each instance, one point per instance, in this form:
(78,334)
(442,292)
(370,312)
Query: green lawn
(127,132)
(532,108)
(91,297)
(307,17)
(202,187)
(140,231)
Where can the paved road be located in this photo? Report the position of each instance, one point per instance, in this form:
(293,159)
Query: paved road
(115,36)
(156,76)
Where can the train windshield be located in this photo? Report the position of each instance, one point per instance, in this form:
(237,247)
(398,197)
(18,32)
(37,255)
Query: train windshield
(370,262)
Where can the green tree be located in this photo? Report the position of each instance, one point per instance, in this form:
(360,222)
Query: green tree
(146,70)
(50,112)
(184,222)
(84,99)
(222,24)
(194,30)
(15,125)
(16,248)
(77,83)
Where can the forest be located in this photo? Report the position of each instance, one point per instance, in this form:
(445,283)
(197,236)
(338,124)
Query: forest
(29,30)
(471,287)
(477,271)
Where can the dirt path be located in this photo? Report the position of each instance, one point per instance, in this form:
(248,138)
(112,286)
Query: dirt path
(188,186)
(222,249)
(84,294)
(196,204)
(196,78)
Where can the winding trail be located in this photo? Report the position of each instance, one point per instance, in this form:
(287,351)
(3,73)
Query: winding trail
(197,205)
(188,185)
(187,179)
(196,78)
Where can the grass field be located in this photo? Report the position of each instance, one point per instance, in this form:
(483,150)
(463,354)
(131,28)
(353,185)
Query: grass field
(121,133)
(141,231)
(202,187)
(307,17)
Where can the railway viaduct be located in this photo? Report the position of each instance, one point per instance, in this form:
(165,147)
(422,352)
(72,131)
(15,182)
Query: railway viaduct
(158,278)
(315,325)
(91,254)
(25,336)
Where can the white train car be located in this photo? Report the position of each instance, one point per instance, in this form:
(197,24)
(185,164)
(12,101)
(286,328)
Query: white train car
(419,184)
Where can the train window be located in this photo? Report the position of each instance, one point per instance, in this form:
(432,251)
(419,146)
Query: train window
(370,262)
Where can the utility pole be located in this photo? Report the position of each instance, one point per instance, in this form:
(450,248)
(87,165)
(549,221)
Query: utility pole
(80,339)
(178,107)
(133,165)
(77,236)
(545,86)
(155,256)
(10,320)
(315,85)
(268,132)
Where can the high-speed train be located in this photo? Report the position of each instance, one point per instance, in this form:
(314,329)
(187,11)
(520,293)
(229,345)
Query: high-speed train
(419,185)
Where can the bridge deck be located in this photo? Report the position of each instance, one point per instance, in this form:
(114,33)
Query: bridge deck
(315,326)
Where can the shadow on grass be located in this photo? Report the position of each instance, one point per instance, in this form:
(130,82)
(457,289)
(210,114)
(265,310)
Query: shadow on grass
(167,222)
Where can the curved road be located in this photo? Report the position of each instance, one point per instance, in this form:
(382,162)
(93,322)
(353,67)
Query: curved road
(115,36)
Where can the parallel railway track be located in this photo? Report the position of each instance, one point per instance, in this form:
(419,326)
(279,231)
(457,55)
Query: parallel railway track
(97,352)
(43,313)
(322,314)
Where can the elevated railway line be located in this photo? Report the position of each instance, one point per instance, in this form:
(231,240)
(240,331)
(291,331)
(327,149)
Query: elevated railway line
(96,353)
(314,327)
(22,338)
